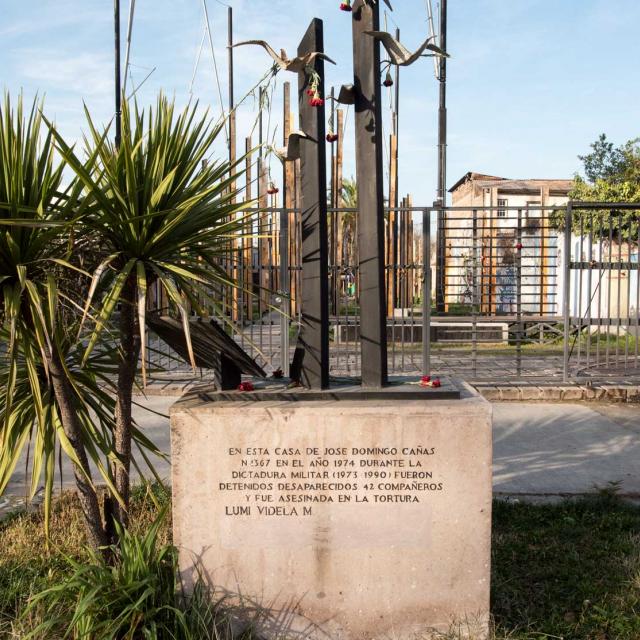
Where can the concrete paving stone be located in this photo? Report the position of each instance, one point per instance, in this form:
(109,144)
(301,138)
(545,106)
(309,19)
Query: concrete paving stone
(510,393)
(530,393)
(552,394)
(571,393)
(633,394)
(615,394)
(490,393)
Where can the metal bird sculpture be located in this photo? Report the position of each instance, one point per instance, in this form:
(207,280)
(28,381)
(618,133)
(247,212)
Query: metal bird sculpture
(399,54)
(297,64)
(292,150)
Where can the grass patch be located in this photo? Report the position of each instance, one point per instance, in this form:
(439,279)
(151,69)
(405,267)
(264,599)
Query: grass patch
(28,566)
(570,570)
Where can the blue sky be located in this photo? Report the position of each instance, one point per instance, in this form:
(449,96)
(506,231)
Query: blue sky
(531,82)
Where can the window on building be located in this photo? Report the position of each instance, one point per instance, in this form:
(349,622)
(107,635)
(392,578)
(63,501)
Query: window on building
(502,204)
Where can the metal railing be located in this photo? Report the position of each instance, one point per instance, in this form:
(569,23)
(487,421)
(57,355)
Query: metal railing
(500,301)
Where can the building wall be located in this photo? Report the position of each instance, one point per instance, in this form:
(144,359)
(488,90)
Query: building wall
(485,277)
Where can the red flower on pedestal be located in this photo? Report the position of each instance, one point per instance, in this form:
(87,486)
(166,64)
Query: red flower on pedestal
(246,386)
(426,381)
(436,383)
(346,6)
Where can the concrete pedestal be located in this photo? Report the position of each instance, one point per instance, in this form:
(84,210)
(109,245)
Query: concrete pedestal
(347,519)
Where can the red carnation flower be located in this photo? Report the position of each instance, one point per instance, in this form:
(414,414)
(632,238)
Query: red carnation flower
(316,102)
(426,381)
(246,386)
(310,92)
(346,6)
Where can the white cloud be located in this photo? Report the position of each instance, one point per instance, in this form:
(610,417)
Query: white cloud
(85,73)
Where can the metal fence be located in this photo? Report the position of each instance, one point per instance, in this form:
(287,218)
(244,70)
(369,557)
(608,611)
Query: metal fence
(498,301)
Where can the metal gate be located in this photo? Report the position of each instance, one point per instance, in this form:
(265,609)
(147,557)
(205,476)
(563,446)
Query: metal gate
(602,291)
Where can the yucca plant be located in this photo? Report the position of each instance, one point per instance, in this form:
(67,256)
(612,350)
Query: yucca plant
(160,213)
(45,398)
(136,594)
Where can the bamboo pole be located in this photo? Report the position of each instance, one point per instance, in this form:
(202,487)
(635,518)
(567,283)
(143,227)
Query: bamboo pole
(247,266)
(288,186)
(391,223)
(263,239)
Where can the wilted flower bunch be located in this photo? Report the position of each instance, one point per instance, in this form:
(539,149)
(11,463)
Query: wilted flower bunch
(315,99)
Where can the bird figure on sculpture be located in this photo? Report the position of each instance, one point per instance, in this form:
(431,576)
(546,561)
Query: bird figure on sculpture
(296,65)
(400,55)
(292,150)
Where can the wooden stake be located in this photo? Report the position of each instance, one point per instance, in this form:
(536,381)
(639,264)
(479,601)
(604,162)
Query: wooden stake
(391,224)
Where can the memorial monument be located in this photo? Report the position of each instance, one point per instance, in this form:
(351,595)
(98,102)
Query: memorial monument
(339,509)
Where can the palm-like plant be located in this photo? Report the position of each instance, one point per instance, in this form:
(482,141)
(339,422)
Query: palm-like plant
(44,398)
(349,200)
(160,214)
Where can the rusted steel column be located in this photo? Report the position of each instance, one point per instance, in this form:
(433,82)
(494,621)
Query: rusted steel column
(314,336)
(368,126)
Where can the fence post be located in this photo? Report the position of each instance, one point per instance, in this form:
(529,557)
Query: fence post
(426,292)
(520,331)
(568,219)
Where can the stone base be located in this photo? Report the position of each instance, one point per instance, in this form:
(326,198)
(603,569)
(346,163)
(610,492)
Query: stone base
(348,519)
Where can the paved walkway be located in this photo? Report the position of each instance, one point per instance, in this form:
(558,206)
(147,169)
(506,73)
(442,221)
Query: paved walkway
(539,448)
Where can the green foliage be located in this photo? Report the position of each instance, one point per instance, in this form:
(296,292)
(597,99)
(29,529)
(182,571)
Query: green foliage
(606,162)
(569,570)
(36,278)
(74,247)
(157,211)
(349,193)
(135,596)
(612,175)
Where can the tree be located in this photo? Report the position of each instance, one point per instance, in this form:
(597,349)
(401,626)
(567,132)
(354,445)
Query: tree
(158,214)
(611,174)
(349,200)
(71,250)
(605,162)
(46,398)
